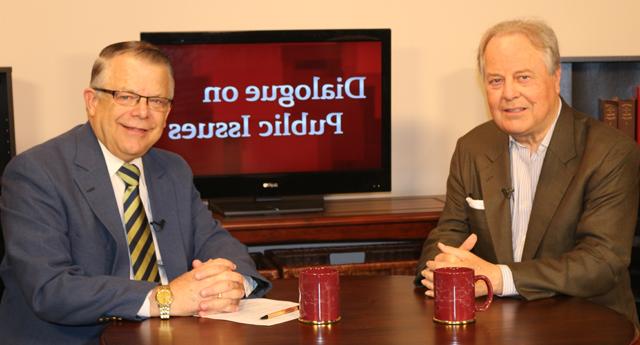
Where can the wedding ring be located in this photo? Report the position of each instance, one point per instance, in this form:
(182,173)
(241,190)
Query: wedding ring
(219,295)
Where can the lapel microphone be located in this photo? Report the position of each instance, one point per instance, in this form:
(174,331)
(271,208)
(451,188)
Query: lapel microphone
(507,192)
(158,226)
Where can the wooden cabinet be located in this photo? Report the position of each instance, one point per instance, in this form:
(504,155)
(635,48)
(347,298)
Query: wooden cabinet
(353,220)
(373,219)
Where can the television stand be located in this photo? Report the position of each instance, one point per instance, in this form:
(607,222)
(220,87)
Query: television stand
(267,206)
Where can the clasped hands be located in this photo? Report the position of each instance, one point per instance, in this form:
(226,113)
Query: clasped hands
(210,287)
(462,257)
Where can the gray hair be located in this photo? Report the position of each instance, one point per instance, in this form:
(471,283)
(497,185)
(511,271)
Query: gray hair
(140,49)
(539,34)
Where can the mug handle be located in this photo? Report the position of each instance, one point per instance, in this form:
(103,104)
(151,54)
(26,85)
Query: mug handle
(489,299)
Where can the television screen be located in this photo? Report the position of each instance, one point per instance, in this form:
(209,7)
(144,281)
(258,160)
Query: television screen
(288,112)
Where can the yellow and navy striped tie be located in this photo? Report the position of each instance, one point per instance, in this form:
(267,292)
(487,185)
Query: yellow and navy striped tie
(141,248)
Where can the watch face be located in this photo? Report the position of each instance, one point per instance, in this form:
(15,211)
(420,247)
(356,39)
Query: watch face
(164,296)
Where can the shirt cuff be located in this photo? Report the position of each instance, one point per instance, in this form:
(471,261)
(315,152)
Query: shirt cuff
(508,286)
(249,285)
(145,309)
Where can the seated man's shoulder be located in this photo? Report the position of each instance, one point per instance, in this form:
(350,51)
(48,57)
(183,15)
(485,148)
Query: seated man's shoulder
(50,152)
(483,137)
(170,159)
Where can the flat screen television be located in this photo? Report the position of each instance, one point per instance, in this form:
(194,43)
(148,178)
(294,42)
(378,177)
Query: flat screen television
(270,116)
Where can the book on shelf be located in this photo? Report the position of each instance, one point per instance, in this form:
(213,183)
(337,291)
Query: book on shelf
(627,117)
(609,111)
(637,114)
(621,114)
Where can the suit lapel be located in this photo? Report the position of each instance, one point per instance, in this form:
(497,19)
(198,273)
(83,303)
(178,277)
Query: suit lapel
(163,200)
(90,174)
(558,170)
(494,176)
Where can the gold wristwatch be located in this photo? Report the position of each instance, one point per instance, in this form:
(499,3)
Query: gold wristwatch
(164,297)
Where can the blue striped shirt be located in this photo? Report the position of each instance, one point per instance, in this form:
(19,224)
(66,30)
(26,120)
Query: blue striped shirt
(525,173)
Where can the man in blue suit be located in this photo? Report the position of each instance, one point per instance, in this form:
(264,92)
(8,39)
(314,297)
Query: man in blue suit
(80,249)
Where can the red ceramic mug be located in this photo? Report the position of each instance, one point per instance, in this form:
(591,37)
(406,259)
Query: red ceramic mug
(455,296)
(319,289)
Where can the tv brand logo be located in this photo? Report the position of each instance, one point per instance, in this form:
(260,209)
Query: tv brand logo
(270,185)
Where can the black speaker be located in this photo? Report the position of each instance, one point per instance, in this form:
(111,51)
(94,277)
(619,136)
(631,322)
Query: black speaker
(7,141)
(7,135)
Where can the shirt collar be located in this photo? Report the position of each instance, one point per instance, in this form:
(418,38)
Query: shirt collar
(547,137)
(114,163)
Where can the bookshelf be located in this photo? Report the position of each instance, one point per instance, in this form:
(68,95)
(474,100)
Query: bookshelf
(586,79)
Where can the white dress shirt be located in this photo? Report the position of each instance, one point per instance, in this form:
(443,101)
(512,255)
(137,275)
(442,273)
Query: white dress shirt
(113,164)
(525,173)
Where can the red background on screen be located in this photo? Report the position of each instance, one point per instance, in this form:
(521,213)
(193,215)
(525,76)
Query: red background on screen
(197,66)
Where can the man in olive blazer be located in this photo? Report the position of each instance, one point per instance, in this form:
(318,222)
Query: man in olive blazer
(582,221)
(578,237)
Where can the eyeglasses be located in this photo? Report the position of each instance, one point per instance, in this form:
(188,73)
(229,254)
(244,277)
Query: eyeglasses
(130,99)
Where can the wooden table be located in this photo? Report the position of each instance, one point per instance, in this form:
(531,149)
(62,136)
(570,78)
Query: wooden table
(388,310)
